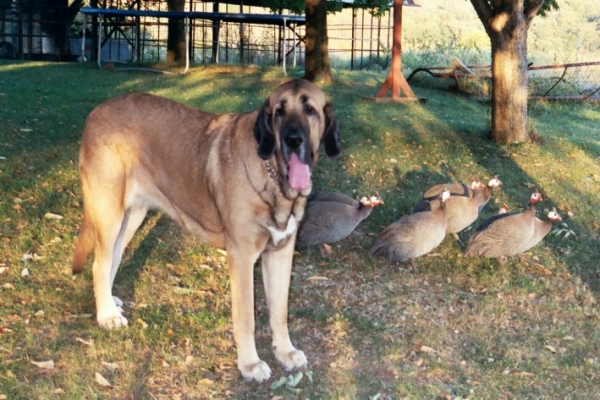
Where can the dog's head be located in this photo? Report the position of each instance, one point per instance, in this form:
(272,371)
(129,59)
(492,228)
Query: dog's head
(292,124)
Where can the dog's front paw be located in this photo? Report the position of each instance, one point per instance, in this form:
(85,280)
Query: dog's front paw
(291,359)
(114,321)
(258,371)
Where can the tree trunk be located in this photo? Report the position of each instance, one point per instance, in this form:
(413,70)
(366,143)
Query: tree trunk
(176,34)
(316,61)
(506,23)
(509,81)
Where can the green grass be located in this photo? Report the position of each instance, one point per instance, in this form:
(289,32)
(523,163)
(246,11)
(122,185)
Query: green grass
(456,328)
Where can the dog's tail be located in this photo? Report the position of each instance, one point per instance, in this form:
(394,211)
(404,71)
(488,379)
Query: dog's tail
(84,245)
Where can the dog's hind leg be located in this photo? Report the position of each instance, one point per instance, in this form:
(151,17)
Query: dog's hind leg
(134,217)
(104,194)
(106,260)
(277,269)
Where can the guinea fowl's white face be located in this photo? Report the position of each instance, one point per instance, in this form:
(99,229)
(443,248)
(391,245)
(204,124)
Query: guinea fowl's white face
(535,197)
(554,216)
(494,182)
(445,195)
(372,201)
(476,184)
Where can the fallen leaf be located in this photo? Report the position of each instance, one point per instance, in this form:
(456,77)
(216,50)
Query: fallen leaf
(39,313)
(43,364)
(80,316)
(110,366)
(89,342)
(24,272)
(523,373)
(27,257)
(427,349)
(294,380)
(3,269)
(183,290)
(8,286)
(550,348)
(102,380)
(144,325)
(50,215)
(316,278)
(279,383)
(206,382)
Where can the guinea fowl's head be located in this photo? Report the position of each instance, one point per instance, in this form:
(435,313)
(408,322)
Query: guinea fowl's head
(553,216)
(535,198)
(371,201)
(494,182)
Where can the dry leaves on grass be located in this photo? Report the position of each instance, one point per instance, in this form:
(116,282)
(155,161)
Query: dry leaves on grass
(43,364)
(50,215)
(102,381)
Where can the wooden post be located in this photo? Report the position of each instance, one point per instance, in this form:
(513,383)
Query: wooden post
(395,80)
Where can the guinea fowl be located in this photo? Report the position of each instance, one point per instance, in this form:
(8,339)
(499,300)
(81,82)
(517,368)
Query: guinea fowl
(511,234)
(331,217)
(455,189)
(413,235)
(464,208)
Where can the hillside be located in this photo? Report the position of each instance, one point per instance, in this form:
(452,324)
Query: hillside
(567,35)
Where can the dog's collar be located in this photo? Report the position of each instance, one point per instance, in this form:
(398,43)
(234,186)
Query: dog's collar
(272,172)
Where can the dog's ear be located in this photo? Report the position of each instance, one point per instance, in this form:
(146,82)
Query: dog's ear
(263,132)
(331,138)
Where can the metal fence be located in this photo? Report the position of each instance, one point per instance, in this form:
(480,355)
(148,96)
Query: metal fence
(357,39)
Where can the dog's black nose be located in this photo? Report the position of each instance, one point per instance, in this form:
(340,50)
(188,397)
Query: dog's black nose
(294,140)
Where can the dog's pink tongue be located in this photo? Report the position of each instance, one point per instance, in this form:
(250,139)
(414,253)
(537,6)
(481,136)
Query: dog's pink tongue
(299,174)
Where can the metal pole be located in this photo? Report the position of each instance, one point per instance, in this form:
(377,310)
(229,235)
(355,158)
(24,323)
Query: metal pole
(100,18)
(83,39)
(284,45)
(294,44)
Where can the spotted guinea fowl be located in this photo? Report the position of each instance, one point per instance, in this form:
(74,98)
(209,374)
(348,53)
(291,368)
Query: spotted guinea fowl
(460,189)
(331,217)
(455,189)
(413,235)
(464,209)
(510,234)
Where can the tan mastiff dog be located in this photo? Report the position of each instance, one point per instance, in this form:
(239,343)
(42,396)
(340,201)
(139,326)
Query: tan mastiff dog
(239,181)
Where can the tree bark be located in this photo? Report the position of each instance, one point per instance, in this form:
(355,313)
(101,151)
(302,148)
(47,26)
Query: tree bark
(509,75)
(176,34)
(316,61)
(506,23)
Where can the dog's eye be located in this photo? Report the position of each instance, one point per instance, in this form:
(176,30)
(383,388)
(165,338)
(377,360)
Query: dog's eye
(309,109)
(280,112)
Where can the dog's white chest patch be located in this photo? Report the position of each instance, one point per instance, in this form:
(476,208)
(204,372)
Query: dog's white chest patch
(277,235)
